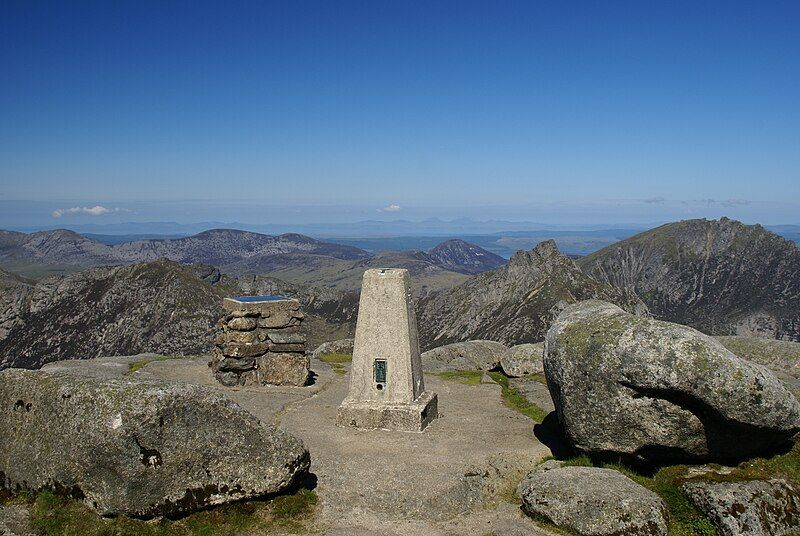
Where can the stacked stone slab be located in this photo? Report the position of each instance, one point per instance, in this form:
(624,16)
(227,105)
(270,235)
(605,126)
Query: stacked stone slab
(261,343)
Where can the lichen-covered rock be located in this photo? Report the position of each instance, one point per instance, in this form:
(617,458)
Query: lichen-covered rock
(523,359)
(342,346)
(755,508)
(657,391)
(593,501)
(470,355)
(134,447)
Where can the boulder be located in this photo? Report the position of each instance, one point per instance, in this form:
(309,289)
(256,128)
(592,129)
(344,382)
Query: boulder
(630,386)
(523,359)
(470,355)
(593,501)
(342,346)
(135,447)
(755,507)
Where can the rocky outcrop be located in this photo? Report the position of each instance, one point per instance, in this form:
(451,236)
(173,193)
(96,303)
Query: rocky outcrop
(721,277)
(514,304)
(460,256)
(470,355)
(161,307)
(657,392)
(261,343)
(523,359)
(593,501)
(133,447)
(754,507)
(342,346)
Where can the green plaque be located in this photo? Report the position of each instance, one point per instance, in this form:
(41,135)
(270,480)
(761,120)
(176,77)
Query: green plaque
(379,370)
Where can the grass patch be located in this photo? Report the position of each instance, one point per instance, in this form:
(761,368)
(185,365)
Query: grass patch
(516,401)
(466,377)
(339,369)
(136,365)
(539,378)
(56,515)
(336,358)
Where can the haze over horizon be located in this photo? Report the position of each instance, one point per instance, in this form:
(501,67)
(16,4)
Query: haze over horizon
(314,112)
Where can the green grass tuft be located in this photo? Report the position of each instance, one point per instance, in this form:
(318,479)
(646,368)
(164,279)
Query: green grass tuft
(516,401)
(54,515)
(466,377)
(136,365)
(336,358)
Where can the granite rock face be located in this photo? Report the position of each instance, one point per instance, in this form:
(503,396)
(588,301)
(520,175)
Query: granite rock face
(659,392)
(515,303)
(261,344)
(719,276)
(469,355)
(159,306)
(593,501)
(523,359)
(15,520)
(756,507)
(134,447)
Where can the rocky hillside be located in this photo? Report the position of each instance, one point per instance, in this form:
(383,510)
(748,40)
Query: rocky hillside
(160,306)
(323,271)
(721,277)
(515,303)
(217,247)
(459,256)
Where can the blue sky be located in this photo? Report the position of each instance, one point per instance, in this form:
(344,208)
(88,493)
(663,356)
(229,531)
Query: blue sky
(613,111)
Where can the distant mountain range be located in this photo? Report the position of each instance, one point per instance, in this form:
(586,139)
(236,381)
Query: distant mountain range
(720,276)
(292,257)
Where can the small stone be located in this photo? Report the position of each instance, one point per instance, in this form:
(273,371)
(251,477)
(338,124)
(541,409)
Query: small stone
(755,507)
(284,337)
(281,369)
(245,350)
(15,520)
(243,324)
(233,364)
(240,337)
(275,347)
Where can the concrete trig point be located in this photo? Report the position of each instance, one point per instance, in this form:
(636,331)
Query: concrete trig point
(387,391)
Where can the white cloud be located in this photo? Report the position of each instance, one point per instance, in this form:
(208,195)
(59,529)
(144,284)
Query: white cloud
(391,208)
(97,210)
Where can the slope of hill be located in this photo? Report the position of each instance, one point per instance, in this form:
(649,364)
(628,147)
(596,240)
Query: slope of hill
(160,306)
(460,256)
(722,277)
(324,271)
(515,303)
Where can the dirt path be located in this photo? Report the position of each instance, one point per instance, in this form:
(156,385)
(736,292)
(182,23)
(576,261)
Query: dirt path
(455,478)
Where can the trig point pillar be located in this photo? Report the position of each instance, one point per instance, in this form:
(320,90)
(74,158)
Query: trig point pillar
(387,391)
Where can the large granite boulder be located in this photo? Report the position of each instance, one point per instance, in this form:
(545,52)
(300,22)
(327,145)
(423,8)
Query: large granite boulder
(755,507)
(15,520)
(593,501)
(523,359)
(136,447)
(659,392)
(470,355)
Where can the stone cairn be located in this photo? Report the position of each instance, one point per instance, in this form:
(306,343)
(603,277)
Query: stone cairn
(260,343)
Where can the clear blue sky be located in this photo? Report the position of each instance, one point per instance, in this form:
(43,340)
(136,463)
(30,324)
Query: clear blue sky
(456,108)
